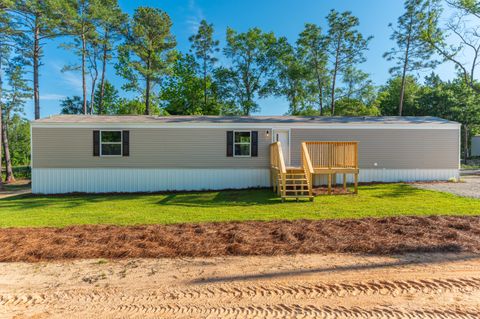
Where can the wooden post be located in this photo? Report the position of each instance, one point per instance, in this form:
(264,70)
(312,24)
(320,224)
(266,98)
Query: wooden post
(329,184)
(345,182)
(356,183)
(274,184)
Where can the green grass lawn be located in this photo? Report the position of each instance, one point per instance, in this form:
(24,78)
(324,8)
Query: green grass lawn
(372,201)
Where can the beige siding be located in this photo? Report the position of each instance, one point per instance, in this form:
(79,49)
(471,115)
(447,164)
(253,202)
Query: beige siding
(390,148)
(149,148)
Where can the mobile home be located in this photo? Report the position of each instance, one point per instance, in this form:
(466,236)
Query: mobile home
(95,154)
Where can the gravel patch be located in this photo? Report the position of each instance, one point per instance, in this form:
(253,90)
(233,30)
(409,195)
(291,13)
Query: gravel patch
(470,188)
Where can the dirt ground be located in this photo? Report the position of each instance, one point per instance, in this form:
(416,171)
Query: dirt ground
(369,235)
(428,285)
(19,187)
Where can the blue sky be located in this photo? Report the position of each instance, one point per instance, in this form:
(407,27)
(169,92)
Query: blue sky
(283,17)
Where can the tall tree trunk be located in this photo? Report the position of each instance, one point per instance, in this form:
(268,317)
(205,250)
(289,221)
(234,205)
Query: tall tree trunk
(8,161)
(92,93)
(465,143)
(334,78)
(294,104)
(36,57)
(147,96)
(102,77)
(246,111)
(205,84)
(320,89)
(1,123)
(402,94)
(147,89)
(320,97)
(404,71)
(84,82)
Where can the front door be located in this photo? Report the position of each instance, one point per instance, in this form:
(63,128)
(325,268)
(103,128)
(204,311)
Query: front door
(283,138)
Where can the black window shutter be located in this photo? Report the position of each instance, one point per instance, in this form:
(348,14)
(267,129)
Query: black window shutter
(254,143)
(126,143)
(96,143)
(229,143)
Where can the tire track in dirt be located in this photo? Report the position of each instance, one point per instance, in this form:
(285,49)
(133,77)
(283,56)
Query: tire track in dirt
(285,311)
(251,291)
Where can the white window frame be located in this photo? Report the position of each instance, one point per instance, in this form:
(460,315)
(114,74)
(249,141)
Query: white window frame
(121,143)
(250,152)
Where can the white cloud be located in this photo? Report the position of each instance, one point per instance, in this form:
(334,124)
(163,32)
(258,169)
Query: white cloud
(52,97)
(72,79)
(196,15)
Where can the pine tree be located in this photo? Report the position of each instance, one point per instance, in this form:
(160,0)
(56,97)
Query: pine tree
(312,46)
(411,53)
(204,48)
(147,53)
(38,21)
(346,46)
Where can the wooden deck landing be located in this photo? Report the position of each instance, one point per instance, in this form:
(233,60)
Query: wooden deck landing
(332,158)
(317,158)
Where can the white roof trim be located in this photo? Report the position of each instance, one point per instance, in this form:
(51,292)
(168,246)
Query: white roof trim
(100,125)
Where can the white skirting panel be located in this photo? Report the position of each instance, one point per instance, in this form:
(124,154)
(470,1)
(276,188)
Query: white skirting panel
(106,180)
(110,180)
(395,175)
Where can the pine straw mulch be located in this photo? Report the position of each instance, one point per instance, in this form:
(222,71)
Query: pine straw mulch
(392,235)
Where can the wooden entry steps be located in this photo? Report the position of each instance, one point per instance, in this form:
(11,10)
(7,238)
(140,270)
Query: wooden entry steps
(295,185)
(317,158)
(288,182)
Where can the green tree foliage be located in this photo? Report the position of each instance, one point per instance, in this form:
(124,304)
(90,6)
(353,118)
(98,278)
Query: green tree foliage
(346,46)
(111,24)
(136,107)
(252,58)
(7,41)
(16,95)
(183,92)
(109,97)
(435,97)
(292,76)
(147,53)
(18,132)
(71,105)
(312,47)
(357,85)
(453,100)
(37,21)
(463,29)
(354,107)
(80,25)
(410,53)
(389,95)
(204,47)
(465,109)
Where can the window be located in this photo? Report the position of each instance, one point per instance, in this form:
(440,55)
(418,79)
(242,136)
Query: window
(242,144)
(111,143)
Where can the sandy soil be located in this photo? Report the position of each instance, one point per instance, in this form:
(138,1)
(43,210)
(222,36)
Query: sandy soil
(470,187)
(300,286)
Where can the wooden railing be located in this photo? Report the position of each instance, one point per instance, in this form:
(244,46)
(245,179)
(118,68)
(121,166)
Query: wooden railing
(307,167)
(278,168)
(333,154)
